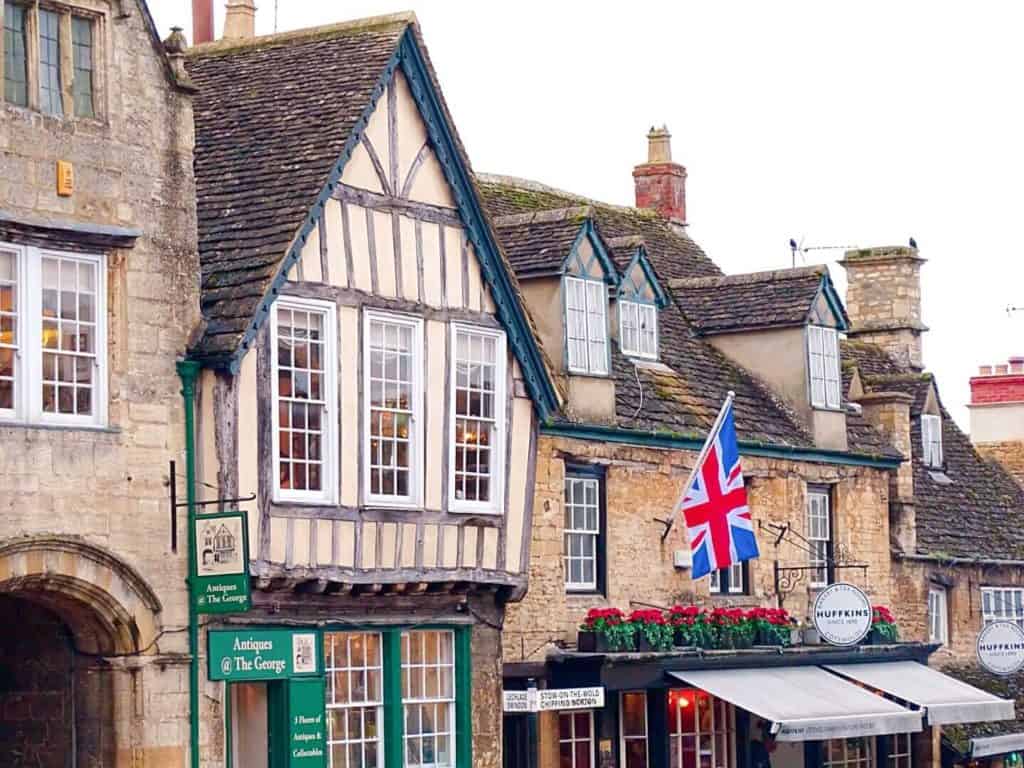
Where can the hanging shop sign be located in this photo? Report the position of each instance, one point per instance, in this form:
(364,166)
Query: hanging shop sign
(307,732)
(221,568)
(1001,647)
(262,654)
(533,700)
(842,614)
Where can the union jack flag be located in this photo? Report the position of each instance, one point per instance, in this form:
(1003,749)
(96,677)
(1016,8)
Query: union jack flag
(714,504)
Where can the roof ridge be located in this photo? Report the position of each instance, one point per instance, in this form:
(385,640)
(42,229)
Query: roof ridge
(626,241)
(536,186)
(743,278)
(550,215)
(225,46)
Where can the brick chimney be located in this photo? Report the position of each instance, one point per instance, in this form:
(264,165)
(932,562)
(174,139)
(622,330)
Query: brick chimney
(997,414)
(240,20)
(883,300)
(202,21)
(660,183)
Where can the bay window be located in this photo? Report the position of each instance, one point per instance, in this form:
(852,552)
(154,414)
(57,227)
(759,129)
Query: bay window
(823,361)
(52,337)
(586,326)
(303,386)
(638,329)
(702,730)
(355,699)
(477,436)
(393,391)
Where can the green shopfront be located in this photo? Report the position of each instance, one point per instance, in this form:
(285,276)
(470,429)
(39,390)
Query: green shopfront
(345,696)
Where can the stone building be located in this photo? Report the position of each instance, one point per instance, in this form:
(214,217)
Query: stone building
(98,293)
(646,336)
(370,374)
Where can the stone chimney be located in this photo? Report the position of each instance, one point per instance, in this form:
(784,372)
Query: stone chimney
(883,300)
(202,21)
(240,20)
(997,414)
(660,183)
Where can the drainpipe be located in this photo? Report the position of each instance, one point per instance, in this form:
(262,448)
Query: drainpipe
(188,371)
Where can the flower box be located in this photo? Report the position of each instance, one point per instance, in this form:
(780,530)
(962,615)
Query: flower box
(591,642)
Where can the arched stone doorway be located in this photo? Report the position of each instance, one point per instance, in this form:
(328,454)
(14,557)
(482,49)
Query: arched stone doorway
(76,621)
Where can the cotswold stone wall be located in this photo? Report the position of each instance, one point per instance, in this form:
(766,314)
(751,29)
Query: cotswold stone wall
(643,484)
(109,487)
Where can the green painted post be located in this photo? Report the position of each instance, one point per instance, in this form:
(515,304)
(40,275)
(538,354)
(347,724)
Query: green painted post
(188,371)
(394,721)
(463,698)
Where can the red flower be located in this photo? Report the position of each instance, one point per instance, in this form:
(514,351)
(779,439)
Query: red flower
(881,614)
(646,616)
(602,617)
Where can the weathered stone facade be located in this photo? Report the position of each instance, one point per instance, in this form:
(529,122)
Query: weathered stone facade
(84,515)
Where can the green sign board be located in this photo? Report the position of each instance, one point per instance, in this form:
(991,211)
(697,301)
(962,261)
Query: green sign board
(263,654)
(307,727)
(220,581)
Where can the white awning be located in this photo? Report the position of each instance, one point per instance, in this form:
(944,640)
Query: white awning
(805,703)
(946,699)
(987,746)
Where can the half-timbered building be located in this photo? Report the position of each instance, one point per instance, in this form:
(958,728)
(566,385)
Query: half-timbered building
(370,374)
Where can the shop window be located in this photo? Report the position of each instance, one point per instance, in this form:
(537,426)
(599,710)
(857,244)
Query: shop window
(823,359)
(938,616)
(15,54)
(633,729)
(393,363)
(304,361)
(586,328)
(729,581)
(428,698)
(638,329)
(576,739)
(819,536)
(931,440)
(52,337)
(583,507)
(849,753)
(355,699)
(1002,604)
(478,411)
(702,730)
(900,754)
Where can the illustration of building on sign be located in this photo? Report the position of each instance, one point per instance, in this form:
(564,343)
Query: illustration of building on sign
(219,542)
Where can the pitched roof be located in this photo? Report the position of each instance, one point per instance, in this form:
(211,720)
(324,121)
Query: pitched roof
(681,394)
(272,117)
(774,299)
(978,512)
(538,243)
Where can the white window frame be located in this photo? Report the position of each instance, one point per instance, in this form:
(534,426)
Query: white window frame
(573,739)
(736,581)
(622,729)
(931,439)
(591,366)
(1002,604)
(414,499)
(637,309)
(825,380)
(938,615)
(594,535)
(329,439)
(496,504)
(28,359)
(816,537)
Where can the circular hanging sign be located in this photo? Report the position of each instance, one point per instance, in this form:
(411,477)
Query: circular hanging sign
(842,614)
(1001,647)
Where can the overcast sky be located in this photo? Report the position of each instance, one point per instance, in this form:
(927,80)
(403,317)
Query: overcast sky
(857,126)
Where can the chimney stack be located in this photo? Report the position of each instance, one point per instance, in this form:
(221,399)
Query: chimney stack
(202,21)
(997,414)
(883,300)
(240,20)
(661,184)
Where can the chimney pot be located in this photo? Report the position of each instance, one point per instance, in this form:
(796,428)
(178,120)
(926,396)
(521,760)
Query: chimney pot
(660,184)
(202,21)
(1002,370)
(240,20)
(984,370)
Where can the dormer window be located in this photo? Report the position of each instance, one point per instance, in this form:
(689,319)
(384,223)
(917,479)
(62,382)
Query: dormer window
(638,329)
(586,326)
(823,356)
(931,439)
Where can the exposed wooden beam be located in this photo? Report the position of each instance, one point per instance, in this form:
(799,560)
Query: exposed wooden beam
(386,203)
(375,159)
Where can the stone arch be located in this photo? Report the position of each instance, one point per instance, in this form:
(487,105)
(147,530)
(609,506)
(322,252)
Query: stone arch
(108,606)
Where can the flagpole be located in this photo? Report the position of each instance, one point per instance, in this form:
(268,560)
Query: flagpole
(700,460)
